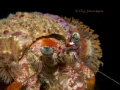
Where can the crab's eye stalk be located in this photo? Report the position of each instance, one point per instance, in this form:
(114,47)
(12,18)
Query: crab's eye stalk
(75,37)
(46,50)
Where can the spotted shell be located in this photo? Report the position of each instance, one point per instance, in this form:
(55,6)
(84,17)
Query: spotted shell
(19,31)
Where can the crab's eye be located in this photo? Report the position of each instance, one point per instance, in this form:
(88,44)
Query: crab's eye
(75,37)
(46,50)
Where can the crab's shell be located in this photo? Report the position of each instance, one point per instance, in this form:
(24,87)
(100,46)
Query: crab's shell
(19,31)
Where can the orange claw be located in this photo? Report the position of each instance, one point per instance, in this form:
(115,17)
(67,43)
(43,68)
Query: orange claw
(91,83)
(14,86)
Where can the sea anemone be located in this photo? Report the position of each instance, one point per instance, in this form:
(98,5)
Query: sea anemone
(91,51)
(10,52)
(8,70)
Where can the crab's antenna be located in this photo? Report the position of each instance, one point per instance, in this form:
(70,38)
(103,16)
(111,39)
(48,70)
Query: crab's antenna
(109,77)
(79,60)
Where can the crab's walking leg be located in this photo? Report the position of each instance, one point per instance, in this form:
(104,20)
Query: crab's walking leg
(32,83)
(69,79)
(81,61)
(27,76)
(14,86)
(87,74)
(77,76)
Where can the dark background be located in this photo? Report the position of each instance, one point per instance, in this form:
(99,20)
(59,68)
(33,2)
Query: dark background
(105,24)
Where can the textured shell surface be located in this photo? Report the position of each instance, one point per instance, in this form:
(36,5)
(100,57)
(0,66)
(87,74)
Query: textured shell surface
(18,31)
(26,38)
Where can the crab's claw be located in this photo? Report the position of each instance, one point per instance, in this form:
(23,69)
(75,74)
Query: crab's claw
(91,83)
(13,85)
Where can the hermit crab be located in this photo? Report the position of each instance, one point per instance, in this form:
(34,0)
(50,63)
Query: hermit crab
(47,52)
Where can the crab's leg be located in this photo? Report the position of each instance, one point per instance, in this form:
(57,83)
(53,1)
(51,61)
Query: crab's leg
(27,77)
(70,79)
(87,74)
(81,61)
(14,86)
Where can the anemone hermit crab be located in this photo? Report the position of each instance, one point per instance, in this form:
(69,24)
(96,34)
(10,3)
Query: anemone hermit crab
(47,52)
